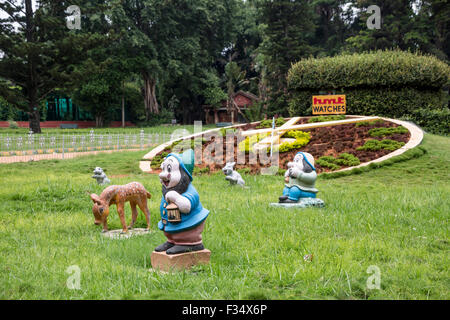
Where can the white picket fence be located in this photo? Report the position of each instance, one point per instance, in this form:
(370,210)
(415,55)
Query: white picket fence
(44,144)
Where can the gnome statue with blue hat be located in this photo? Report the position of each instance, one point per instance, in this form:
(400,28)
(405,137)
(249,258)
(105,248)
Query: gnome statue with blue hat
(182,214)
(300,179)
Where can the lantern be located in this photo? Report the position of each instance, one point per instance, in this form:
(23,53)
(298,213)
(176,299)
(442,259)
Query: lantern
(173,213)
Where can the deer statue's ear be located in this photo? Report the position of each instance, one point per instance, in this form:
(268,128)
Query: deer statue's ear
(95,198)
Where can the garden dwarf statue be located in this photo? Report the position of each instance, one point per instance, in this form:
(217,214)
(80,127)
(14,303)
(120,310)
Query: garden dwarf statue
(300,179)
(182,214)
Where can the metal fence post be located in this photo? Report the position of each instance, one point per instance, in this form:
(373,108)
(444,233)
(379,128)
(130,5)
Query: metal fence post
(63,146)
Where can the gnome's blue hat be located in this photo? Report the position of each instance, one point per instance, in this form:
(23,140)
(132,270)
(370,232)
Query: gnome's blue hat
(306,159)
(186,160)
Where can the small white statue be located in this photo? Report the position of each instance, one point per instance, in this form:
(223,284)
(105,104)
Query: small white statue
(232,175)
(100,176)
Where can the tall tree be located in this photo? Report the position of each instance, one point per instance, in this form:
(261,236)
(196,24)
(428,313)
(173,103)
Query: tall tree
(38,53)
(398,29)
(176,43)
(287,37)
(332,27)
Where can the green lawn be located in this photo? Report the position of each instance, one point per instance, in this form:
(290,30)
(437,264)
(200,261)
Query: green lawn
(395,218)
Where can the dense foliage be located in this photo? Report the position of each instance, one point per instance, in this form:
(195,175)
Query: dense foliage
(384,83)
(158,60)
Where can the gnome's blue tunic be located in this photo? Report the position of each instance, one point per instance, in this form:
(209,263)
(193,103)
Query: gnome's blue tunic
(303,187)
(196,215)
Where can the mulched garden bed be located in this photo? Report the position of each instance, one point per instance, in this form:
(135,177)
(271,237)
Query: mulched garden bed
(325,141)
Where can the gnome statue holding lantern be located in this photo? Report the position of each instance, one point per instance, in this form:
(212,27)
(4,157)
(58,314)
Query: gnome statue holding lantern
(182,214)
(300,179)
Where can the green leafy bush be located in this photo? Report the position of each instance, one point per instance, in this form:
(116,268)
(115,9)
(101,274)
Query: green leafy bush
(301,139)
(326,118)
(247,144)
(390,68)
(12,124)
(434,121)
(268,123)
(297,134)
(384,132)
(384,83)
(164,117)
(375,145)
(369,123)
(344,159)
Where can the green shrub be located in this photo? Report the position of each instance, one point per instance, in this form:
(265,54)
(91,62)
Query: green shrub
(164,117)
(384,132)
(297,134)
(434,121)
(375,145)
(268,123)
(383,83)
(12,124)
(390,68)
(301,139)
(326,118)
(388,102)
(247,144)
(369,123)
(344,159)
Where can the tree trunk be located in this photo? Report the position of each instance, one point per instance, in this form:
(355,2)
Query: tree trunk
(216,116)
(99,121)
(35,120)
(123,111)
(33,113)
(151,104)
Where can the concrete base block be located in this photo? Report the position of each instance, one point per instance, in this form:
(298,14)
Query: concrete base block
(167,262)
(117,234)
(303,203)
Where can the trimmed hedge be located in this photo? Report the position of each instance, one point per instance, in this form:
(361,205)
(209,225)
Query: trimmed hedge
(394,84)
(377,69)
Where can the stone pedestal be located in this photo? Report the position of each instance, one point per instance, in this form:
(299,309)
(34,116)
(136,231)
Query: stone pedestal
(117,234)
(168,262)
(303,203)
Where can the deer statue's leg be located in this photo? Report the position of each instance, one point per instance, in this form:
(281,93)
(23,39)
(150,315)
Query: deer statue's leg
(105,226)
(105,223)
(134,214)
(121,212)
(144,208)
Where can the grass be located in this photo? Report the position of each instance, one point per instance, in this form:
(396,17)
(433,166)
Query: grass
(395,218)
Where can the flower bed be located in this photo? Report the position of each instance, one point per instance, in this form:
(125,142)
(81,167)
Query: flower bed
(346,143)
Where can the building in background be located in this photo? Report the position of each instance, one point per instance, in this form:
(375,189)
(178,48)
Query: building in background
(242,99)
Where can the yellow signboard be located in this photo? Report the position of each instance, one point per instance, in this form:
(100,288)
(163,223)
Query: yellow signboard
(331,104)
